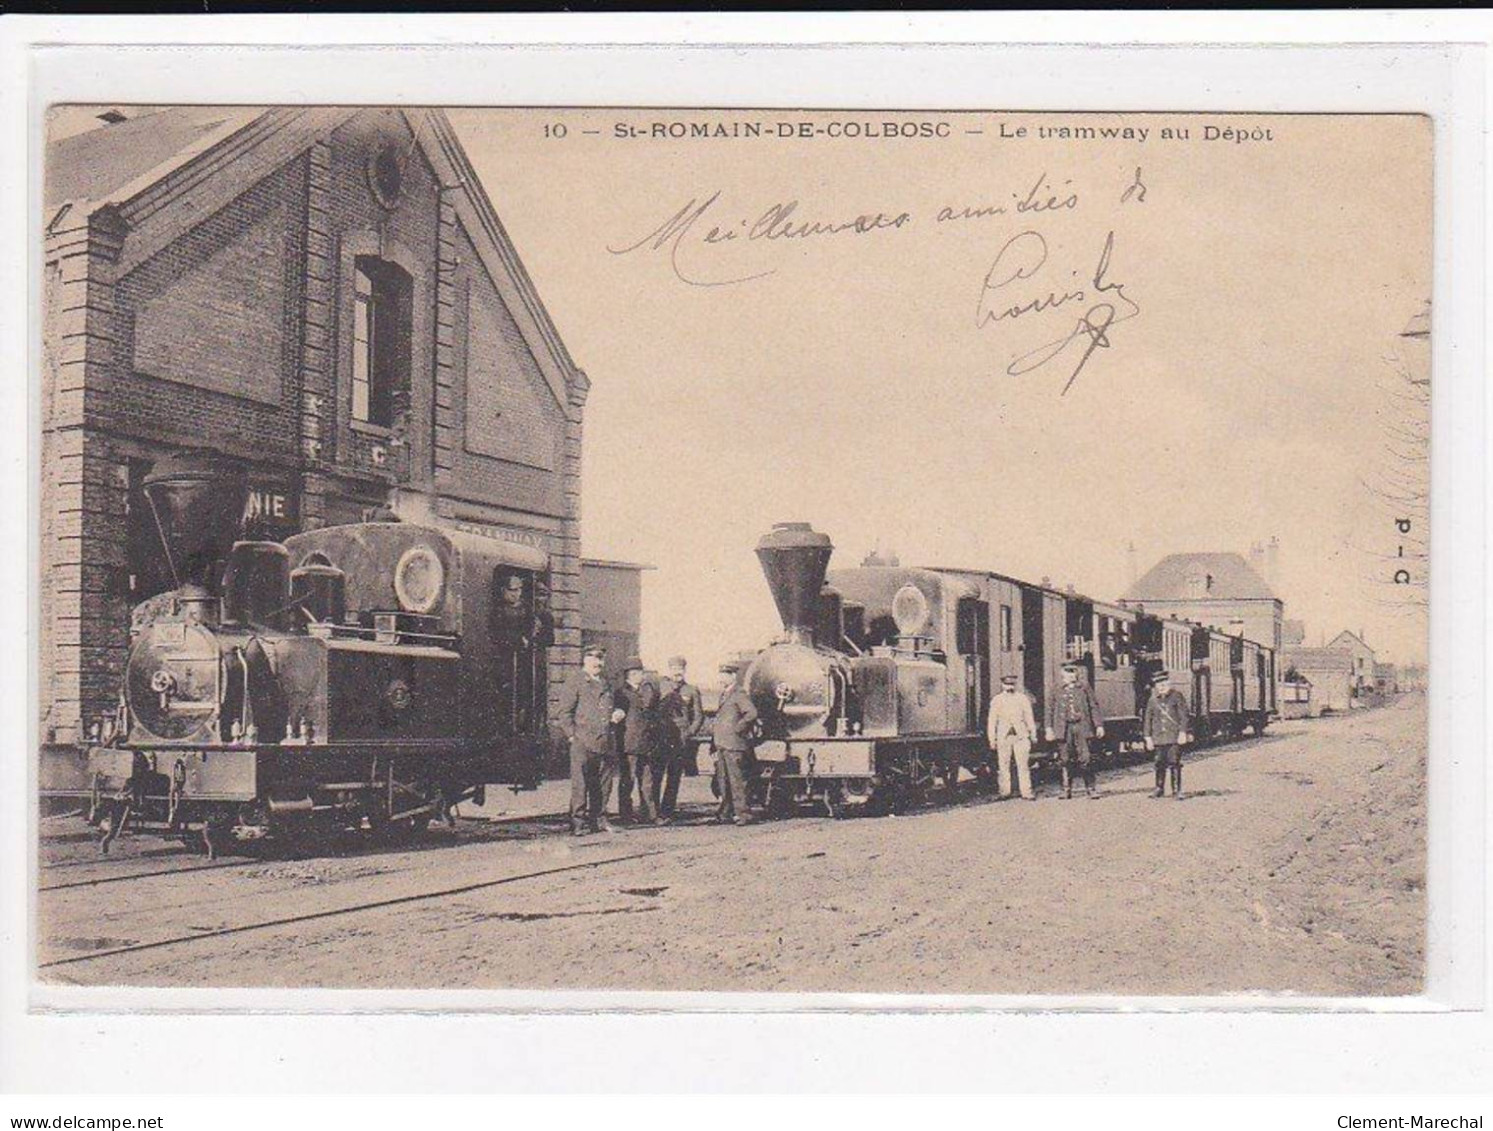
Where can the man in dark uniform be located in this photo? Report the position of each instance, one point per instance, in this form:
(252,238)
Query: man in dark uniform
(588,709)
(683,715)
(640,726)
(1165,729)
(732,736)
(1072,719)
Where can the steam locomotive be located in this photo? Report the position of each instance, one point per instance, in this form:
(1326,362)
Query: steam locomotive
(879,688)
(363,676)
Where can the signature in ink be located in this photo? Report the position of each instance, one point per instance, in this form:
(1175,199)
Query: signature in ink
(776,224)
(1021,258)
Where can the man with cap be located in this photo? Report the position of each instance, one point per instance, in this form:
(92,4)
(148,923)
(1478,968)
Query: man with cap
(588,709)
(683,716)
(1165,729)
(732,736)
(638,698)
(1010,728)
(1072,719)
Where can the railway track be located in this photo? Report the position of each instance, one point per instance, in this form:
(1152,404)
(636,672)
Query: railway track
(764,829)
(354,908)
(95,861)
(95,881)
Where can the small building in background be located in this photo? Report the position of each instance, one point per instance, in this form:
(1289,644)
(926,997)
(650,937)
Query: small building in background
(1295,697)
(612,610)
(1221,591)
(1386,679)
(1328,671)
(1362,656)
(1292,632)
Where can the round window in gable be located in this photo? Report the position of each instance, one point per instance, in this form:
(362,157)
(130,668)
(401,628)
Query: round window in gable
(386,174)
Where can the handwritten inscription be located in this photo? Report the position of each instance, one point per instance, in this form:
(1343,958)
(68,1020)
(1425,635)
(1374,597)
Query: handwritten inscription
(1023,259)
(699,224)
(1079,307)
(780,222)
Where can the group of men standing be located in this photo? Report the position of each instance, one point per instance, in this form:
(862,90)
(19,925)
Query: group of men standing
(637,735)
(1072,719)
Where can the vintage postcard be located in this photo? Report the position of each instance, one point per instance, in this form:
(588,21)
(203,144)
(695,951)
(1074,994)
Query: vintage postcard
(818,550)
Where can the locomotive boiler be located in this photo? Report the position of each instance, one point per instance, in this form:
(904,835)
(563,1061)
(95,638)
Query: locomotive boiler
(363,676)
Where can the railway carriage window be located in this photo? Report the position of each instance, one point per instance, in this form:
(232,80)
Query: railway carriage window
(1122,642)
(1005,628)
(381,342)
(972,628)
(1109,658)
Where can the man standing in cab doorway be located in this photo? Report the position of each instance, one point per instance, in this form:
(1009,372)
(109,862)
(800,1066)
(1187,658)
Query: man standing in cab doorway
(1010,729)
(587,712)
(1165,729)
(683,716)
(1072,719)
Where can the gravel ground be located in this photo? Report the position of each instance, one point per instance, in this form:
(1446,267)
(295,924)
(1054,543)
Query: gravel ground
(1294,864)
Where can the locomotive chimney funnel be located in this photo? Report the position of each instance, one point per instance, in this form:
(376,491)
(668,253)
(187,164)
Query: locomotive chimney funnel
(198,500)
(794,558)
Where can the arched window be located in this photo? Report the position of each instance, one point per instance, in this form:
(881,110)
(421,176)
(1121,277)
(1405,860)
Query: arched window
(381,342)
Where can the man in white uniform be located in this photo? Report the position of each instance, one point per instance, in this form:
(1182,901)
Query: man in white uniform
(1010,729)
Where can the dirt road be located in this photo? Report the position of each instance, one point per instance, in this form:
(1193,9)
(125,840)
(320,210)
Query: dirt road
(1295,863)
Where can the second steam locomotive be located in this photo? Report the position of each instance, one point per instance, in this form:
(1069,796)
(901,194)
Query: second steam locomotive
(879,687)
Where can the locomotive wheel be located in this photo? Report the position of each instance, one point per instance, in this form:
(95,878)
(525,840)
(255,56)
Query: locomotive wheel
(777,799)
(111,822)
(834,802)
(410,827)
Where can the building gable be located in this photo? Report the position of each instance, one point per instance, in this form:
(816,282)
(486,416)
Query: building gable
(511,413)
(1200,576)
(212,314)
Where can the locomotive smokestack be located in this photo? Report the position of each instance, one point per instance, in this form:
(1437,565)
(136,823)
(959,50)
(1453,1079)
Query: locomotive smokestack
(198,502)
(794,558)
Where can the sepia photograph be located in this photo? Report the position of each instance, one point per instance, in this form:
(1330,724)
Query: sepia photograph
(822,550)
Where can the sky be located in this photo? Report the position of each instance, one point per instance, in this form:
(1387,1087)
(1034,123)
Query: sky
(869,378)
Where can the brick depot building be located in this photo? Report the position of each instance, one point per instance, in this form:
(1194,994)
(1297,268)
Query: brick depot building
(326,296)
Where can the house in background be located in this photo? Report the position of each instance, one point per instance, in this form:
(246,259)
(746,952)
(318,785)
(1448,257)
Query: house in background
(1328,671)
(1363,659)
(1219,590)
